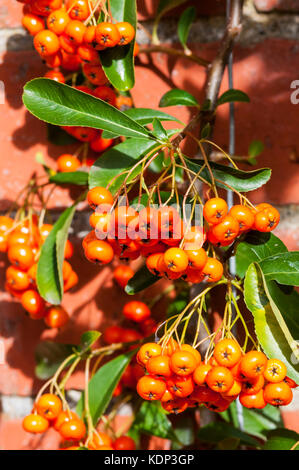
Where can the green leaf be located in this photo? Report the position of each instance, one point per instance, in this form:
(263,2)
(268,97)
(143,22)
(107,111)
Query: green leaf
(206,131)
(79,178)
(184,24)
(49,270)
(118,62)
(49,356)
(57,136)
(283,268)
(270,327)
(281,439)
(63,105)
(255,148)
(257,246)
(218,431)
(232,95)
(87,340)
(255,422)
(286,300)
(240,180)
(143,116)
(117,159)
(151,419)
(184,431)
(159,130)
(177,97)
(140,281)
(102,385)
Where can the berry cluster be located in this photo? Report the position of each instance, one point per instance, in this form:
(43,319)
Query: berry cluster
(48,412)
(172,250)
(178,378)
(22,241)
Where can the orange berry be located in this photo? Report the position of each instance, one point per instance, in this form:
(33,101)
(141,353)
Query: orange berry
(35,424)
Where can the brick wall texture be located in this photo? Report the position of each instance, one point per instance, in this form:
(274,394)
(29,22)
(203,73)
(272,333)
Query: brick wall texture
(265,64)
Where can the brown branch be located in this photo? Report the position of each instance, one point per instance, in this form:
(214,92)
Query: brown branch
(215,73)
(175,52)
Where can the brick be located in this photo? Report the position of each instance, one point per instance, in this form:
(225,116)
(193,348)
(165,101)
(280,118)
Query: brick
(280,5)
(10,13)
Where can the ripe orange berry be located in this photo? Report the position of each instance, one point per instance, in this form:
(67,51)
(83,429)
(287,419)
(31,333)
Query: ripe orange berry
(49,406)
(75,31)
(227,352)
(68,250)
(105,93)
(55,75)
(176,406)
(252,386)
(159,366)
(95,74)
(200,373)
(88,54)
(107,34)
(17,278)
(253,364)
(148,351)
(56,317)
(67,163)
(220,379)
(234,391)
(46,43)
(64,417)
(21,256)
(33,23)
(136,311)
(150,388)
(196,258)
(278,394)
(215,210)
(275,371)
(6,223)
(57,21)
(98,440)
(213,269)
(35,424)
(122,275)
(190,349)
(253,401)
(100,196)
(267,220)
(90,34)
(183,363)
(79,10)
(180,386)
(227,230)
(243,215)
(33,303)
(126,31)
(99,251)
(176,260)
(73,430)
(124,443)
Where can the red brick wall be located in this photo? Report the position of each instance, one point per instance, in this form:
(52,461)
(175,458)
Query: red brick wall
(265,64)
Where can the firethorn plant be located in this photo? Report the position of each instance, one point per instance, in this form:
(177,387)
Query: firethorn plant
(152,201)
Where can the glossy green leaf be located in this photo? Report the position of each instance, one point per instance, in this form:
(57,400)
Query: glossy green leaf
(79,178)
(255,422)
(271,329)
(102,385)
(159,131)
(177,97)
(218,431)
(49,270)
(143,116)
(232,95)
(151,419)
(49,356)
(282,439)
(117,159)
(257,246)
(88,338)
(184,24)
(226,176)
(63,105)
(118,62)
(283,268)
(255,148)
(142,279)
(286,299)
